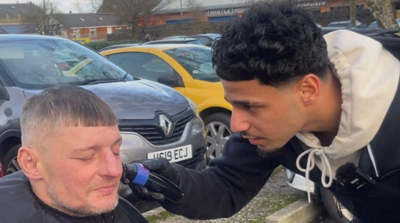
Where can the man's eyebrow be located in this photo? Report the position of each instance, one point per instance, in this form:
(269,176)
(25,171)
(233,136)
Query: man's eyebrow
(94,147)
(243,102)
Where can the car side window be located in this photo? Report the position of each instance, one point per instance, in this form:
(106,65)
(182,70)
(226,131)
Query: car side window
(204,40)
(142,65)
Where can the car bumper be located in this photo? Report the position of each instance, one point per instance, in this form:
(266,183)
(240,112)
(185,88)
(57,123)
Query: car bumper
(134,146)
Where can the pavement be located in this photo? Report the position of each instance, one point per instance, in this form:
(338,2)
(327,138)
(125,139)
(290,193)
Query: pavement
(276,203)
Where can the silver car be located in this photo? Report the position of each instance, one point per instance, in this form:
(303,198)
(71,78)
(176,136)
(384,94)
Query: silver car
(154,120)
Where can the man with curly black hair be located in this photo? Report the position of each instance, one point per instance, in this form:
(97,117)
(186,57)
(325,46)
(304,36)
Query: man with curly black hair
(326,107)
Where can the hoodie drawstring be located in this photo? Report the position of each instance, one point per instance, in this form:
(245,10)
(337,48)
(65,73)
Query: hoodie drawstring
(312,153)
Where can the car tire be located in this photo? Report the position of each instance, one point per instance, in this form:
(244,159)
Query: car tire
(330,205)
(218,132)
(10,163)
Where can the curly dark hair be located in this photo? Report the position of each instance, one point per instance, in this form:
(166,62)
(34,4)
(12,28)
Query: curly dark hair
(275,43)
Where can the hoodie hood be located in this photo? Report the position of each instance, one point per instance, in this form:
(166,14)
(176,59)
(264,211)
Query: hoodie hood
(369,76)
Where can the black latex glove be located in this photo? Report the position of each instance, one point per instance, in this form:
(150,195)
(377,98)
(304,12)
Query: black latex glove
(160,166)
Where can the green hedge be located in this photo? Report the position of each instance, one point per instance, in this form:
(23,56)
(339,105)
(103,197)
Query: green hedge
(101,44)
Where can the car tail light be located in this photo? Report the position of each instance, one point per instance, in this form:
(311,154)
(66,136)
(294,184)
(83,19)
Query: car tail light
(1,170)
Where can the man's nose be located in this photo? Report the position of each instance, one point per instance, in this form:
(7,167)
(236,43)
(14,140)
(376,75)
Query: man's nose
(238,122)
(112,166)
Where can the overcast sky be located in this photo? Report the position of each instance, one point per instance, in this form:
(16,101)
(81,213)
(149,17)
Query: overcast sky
(63,5)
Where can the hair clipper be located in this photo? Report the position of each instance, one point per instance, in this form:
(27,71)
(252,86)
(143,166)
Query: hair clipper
(139,175)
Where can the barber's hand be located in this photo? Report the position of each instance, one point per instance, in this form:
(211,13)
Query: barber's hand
(160,166)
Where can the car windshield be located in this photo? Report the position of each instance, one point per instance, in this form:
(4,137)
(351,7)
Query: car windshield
(36,64)
(196,61)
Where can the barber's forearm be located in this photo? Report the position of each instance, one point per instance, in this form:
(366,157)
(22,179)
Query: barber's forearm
(210,194)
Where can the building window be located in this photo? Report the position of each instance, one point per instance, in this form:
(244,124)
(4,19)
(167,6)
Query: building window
(177,21)
(75,33)
(222,18)
(118,28)
(92,32)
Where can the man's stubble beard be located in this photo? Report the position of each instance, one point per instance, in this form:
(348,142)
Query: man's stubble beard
(79,211)
(268,154)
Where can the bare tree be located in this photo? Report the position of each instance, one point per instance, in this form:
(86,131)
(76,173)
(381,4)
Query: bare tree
(91,5)
(138,13)
(41,18)
(353,12)
(196,9)
(388,14)
(383,13)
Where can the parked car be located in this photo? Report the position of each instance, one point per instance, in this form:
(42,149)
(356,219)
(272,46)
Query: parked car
(188,69)
(174,37)
(364,31)
(207,39)
(154,120)
(374,24)
(119,46)
(174,41)
(336,211)
(346,24)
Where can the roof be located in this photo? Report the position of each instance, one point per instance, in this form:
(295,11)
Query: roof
(75,20)
(16,37)
(17,29)
(174,6)
(13,9)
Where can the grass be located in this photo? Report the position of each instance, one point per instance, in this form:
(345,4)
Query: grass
(277,170)
(258,220)
(161,216)
(284,200)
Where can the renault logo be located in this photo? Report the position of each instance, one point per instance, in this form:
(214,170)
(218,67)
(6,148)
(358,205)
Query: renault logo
(166,125)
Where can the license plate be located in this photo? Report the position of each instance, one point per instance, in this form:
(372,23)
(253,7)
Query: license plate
(173,155)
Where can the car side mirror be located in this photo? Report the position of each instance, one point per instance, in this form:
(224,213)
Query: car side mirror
(208,44)
(170,80)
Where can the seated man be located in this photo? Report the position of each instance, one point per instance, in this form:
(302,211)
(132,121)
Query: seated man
(70,162)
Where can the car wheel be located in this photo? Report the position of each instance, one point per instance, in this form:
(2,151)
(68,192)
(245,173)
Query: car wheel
(332,208)
(10,160)
(218,132)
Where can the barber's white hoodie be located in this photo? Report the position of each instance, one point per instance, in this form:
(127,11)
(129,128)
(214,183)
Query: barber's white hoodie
(369,76)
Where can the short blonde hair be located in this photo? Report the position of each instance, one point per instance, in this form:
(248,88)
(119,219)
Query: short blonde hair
(63,106)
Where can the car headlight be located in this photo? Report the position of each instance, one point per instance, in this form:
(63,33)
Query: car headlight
(197,126)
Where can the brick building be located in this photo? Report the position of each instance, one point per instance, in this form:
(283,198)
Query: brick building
(325,11)
(88,27)
(188,11)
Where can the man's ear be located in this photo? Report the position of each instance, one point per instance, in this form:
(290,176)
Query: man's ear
(28,160)
(309,87)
